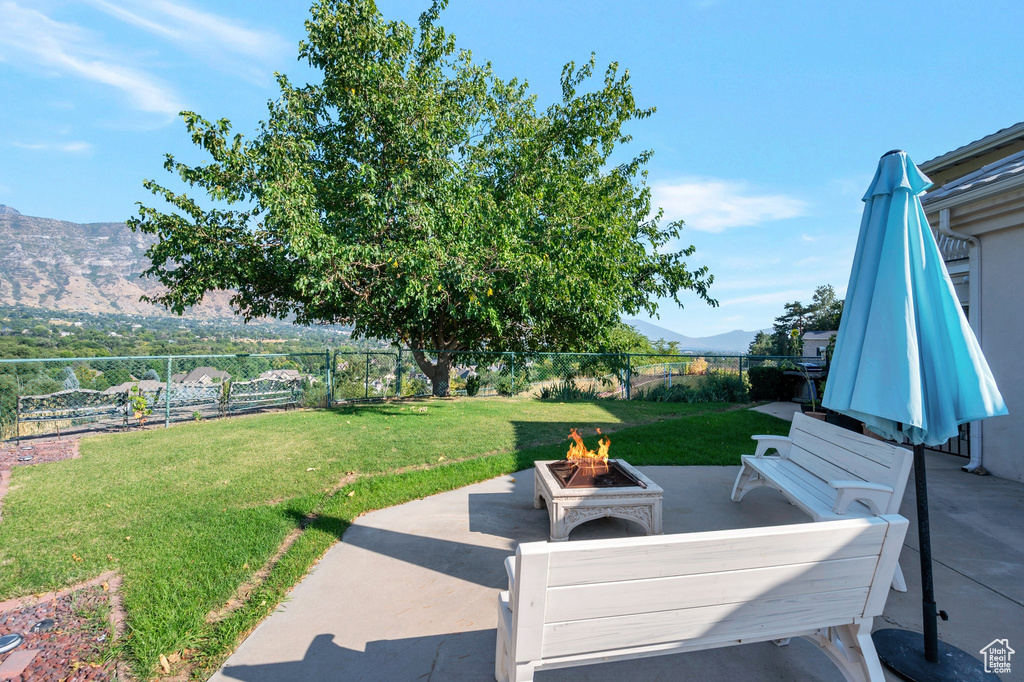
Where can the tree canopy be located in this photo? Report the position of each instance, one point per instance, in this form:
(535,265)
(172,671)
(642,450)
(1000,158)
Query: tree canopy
(823,314)
(418,197)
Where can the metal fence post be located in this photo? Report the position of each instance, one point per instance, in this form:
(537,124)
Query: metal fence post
(167,396)
(629,375)
(367,379)
(512,371)
(327,377)
(398,376)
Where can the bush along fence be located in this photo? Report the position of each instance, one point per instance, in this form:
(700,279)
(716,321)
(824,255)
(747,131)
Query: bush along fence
(62,395)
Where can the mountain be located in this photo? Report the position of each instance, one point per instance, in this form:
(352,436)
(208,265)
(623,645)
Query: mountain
(94,268)
(731,342)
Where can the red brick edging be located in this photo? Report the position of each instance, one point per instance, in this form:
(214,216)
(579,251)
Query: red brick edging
(113,581)
(5,484)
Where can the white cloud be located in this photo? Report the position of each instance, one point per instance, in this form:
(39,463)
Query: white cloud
(226,40)
(808,238)
(716,205)
(70,50)
(68,147)
(770,298)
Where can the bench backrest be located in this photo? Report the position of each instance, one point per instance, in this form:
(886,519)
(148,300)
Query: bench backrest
(78,403)
(836,454)
(190,394)
(702,588)
(259,393)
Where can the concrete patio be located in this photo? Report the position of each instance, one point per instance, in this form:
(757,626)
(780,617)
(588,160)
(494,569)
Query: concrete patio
(410,593)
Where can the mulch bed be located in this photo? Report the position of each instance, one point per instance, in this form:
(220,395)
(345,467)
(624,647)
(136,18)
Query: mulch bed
(78,648)
(41,452)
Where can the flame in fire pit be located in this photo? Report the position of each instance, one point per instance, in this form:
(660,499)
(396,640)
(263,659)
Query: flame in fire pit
(579,453)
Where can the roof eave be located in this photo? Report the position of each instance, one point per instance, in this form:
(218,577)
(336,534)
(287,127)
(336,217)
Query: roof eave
(974,149)
(974,194)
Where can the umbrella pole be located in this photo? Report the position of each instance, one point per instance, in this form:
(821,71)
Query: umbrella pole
(900,650)
(929,613)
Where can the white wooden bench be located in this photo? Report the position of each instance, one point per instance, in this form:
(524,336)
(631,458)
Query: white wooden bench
(829,472)
(594,601)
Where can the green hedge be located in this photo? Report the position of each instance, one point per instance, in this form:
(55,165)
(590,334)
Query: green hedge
(771,383)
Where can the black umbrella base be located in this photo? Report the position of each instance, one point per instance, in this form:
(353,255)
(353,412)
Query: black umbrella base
(902,651)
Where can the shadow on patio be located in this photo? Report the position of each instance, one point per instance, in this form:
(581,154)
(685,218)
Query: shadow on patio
(411,592)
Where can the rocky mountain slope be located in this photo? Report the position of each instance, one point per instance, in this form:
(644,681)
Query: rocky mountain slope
(93,267)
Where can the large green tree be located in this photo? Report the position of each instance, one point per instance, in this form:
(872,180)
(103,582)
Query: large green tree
(823,314)
(420,198)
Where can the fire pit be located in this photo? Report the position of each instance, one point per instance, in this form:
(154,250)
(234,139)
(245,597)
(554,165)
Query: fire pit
(599,475)
(587,485)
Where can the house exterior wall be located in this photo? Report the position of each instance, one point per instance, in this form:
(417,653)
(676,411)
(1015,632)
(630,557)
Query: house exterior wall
(998,318)
(815,344)
(1001,341)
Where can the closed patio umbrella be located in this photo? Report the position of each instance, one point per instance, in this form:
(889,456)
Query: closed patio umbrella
(908,365)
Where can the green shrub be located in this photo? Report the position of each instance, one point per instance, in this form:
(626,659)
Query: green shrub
(714,387)
(771,383)
(679,393)
(717,387)
(505,388)
(314,395)
(472,384)
(568,390)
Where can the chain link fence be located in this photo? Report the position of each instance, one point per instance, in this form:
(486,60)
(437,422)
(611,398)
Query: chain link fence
(64,395)
(388,374)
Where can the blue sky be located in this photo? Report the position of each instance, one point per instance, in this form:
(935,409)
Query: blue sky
(771,116)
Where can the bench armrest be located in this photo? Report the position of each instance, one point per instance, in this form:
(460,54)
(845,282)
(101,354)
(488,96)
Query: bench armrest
(875,495)
(510,569)
(766,443)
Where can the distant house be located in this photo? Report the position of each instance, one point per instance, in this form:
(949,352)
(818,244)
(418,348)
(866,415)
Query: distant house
(201,375)
(815,343)
(6,331)
(976,208)
(144,385)
(281,374)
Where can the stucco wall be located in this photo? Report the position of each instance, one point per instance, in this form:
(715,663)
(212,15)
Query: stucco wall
(1002,340)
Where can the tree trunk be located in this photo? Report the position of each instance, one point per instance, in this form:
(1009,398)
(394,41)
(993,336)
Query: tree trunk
(439,372)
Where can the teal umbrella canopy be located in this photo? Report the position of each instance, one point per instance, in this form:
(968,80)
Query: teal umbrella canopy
(906,361)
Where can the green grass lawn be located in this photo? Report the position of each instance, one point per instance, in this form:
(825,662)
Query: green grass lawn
(188,514)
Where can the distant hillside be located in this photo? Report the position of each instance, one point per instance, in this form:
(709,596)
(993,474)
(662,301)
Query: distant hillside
(731,342)
(94,268)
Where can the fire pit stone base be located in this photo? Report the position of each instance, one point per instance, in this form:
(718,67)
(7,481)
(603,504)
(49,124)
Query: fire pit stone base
(570,507)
